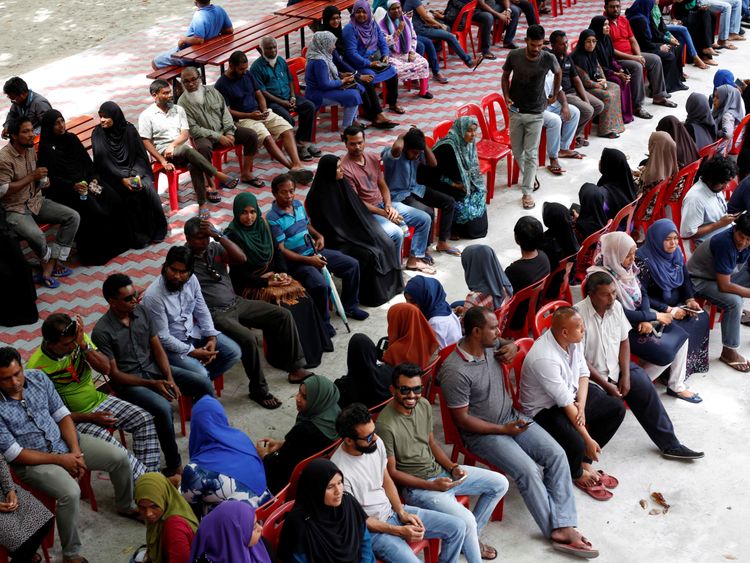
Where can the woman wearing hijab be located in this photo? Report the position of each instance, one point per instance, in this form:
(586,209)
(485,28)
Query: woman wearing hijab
(594,81)
(366,49)
(402,43)
(343,220)
(613,71)
(457,174)
(687,151)
(326,524)
(170,522)
(16,279)
(371,107)
(230,534)
(728,110)
(315,429)
(366,380)
(664,276)
(661,163)
(224,463)
(700,26)
(617,180)
(559,239)
(594,212)
(324,85)
(411,339)
(122,163)
(668,350)
(428,294)
(102,234)
(655,39)
(263,277)
(700,123)
(488,285)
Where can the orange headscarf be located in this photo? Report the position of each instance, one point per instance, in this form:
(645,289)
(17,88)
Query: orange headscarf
(410,337)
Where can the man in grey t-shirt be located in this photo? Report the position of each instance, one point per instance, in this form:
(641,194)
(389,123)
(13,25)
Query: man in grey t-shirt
(527,101)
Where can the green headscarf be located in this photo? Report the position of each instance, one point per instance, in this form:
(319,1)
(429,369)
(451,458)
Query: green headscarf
(322,405)
(256,241)
(157,488)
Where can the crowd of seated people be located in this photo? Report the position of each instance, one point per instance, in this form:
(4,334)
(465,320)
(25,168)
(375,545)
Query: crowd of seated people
(641,318)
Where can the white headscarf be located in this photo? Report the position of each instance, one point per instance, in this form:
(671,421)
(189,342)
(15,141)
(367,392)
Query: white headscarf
(321,49)
(613,249)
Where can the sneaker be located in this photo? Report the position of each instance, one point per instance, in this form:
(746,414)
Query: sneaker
(681,452)
(357,314)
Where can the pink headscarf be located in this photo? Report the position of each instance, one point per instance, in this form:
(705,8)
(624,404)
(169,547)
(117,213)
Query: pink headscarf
(613,249)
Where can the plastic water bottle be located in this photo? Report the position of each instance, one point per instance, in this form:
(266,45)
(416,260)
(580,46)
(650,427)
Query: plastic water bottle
(43,181)
(85,195)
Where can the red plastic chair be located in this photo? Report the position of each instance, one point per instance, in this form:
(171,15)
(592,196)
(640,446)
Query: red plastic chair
(543,317)
(185,404)
(264,511)
(300,467)
(559,278)
(710,151)
(529,295)
(275,523)
(646,212)
(502,315)
(731,186)
(739,136)
(513,383)
(173,182)
(670,204)
(434,386)
(625,214)
(377,409)
(441,129)
(585,256)
(462,32)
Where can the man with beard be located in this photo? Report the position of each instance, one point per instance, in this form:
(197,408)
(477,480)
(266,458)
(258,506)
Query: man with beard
(363,461)
(21,185)
(183,322)
(249,109)
(418,465)
(211,125)
(273,79)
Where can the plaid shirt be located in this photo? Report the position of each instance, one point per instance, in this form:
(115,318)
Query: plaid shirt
(32,422)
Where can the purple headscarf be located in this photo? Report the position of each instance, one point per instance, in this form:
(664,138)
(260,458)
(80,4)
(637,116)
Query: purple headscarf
(403,45)
(224,535)
(366,32)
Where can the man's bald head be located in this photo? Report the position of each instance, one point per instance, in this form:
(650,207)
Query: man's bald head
(268,40)
(567,325)
(189,72)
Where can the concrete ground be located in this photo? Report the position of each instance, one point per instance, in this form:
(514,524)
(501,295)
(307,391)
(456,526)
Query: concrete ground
(709,503)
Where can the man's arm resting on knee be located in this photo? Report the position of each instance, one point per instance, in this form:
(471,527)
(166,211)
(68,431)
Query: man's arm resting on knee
(465,421)
(725,284)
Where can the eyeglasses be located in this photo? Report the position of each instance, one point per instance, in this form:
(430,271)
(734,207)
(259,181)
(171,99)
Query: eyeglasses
(404,390)
(369,438)
(69,330)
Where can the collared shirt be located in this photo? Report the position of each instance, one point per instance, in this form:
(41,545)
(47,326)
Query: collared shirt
(179,315)
(569,72)
(290,228)
(239,92)
(275,80)
(620,33)
(701,206)
(32,422)
(211,119)
(364,177)
(162,127)
(208,22)
(401,175)
(218,293)
(128,345)
(34,108)
(550,374)
(601,342)
(718,256)
(14,166)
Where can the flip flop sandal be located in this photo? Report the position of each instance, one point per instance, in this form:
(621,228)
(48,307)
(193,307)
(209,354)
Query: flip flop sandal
(255,182)
(63,272)
(487,551)
(49,283)
(528,203)
(597,492)
(427,259)
(556,170)
(607,480)
(576,155)
(536,183)
(577,550)
(314,151)
(299,379)
(582,143)
(267,401)
(230,184)
(397,109)
(213,196)
(304,154)
(453,251)
(384,124)
(479,61)
(736,365)
(422,268)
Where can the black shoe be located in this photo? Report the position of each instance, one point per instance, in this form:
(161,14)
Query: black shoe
(357,314)
(426,96)
(510,45)
(681,452)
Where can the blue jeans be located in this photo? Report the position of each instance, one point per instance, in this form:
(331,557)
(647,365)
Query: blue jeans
(449,529)
(393,231)
(426,48)
(448,37)
(229,354)
(350,112)
(730,15)
(421,222)
(549,498)
(560,133)
(681,33)
(729,303)
(489,485)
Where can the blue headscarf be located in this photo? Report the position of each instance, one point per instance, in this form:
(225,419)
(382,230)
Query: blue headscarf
(723,76)
(666,269)
(641,9)
(428,294)
(216,446)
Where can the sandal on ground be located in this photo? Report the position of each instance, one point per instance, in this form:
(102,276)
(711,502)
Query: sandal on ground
(304,154)
(556,169)
(489,56)
(597,492)
(61,271)
(132,515)
(575,155)
(427,259)
(745,320)
(528,202)
(487,551)
(397,109)
(694,398)
(477,62)
(301,176)
(452,250)
(607,480)
(581,142)
(49,283)
(213,196)
(579,548)
(536,183)
(422,268)
(313,150)
(255,182)
(739,365)
(297,380)
(440,79)
(384,124)
(267,401)
(204,213)
(666,103)
(230,184)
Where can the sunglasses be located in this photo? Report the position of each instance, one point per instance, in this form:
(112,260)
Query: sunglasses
(132,298)
(70,330)
(404,390)
(369,438)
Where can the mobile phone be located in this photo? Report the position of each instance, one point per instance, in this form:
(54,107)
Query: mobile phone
(739,83)
(689,310)
(658,329)
(171,393)
(460,479)
(526,424)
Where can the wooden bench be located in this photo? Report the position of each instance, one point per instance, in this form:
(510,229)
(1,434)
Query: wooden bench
(170,74)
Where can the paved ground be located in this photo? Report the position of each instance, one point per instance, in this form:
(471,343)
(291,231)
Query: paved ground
(707,521)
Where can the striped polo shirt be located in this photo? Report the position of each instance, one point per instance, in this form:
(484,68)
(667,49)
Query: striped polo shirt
(290,229)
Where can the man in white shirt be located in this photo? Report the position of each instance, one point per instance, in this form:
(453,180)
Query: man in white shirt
(555,391)
(363,461)
(607,351)
(164,129)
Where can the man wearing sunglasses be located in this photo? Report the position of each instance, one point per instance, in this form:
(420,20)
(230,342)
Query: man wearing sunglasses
(429,479)
(363,461)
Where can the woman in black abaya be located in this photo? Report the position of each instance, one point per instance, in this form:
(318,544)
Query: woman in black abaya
(16,282)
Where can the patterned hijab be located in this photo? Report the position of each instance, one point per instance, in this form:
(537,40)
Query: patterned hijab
(410,337)
(614,247)
(321,48)
(256,241)
(367,32)
(466,153)
(389,26)
(662,158)
(667,269)
(322,405)
(730,102)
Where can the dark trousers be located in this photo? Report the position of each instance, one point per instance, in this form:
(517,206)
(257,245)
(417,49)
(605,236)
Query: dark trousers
(339,265)
(428,203)
(391,96)
(242,136)
(528,10)
(370,101)
(278,329)
(486,22)
(604,415)
(306,113)
(28,549)
(426,48)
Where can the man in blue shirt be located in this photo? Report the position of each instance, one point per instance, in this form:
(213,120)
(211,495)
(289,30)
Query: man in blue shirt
(295,237)
(275,81)
(38,436)
(208,21)
(401,162)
